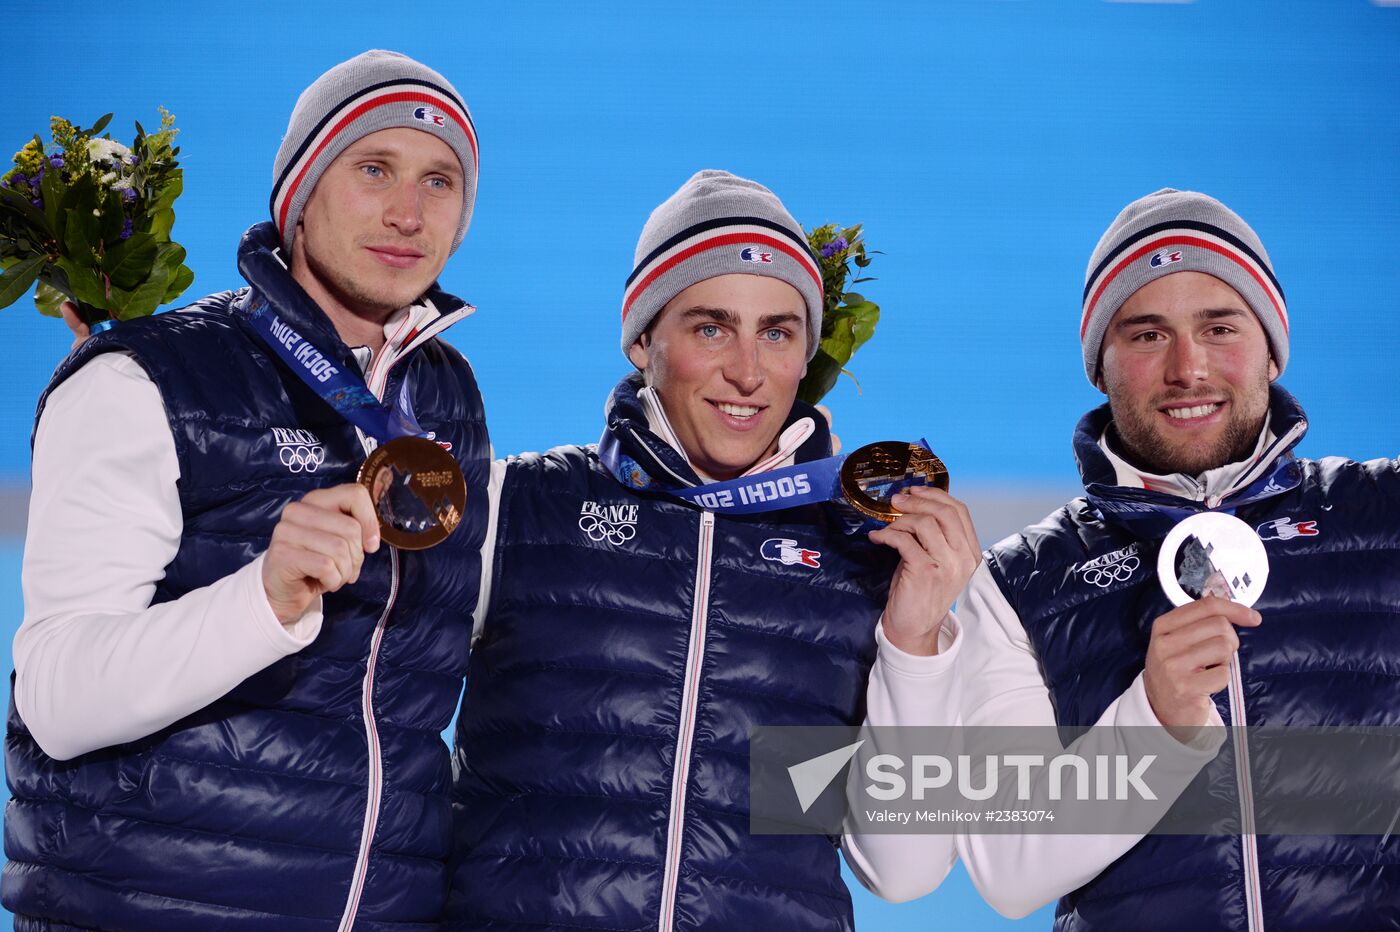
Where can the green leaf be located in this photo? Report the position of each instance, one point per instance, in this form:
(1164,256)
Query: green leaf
(100,125)
(822,373)
(17,279)
(77,232)
(85,284)
(148,296)
(851,299)
(852,376)
(17,204)
(182,279)
(51,191)
(864,317)
(129,262)
(162,221)
(47,299)
(167,193)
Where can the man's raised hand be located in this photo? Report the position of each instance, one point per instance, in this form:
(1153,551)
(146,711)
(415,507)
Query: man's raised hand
(318,545)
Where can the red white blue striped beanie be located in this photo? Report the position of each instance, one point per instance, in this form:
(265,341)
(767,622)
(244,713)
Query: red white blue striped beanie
(718,224)
(372,91)
(1172,231)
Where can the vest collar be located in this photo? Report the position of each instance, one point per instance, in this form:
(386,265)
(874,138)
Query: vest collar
(1151,513)
(261,264)
(641,459)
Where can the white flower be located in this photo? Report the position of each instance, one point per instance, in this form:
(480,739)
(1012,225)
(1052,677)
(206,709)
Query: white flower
(108,178)
(121,185)
(106,150)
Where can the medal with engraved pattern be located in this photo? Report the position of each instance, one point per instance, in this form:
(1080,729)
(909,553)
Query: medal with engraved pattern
(875,473)
(417,489)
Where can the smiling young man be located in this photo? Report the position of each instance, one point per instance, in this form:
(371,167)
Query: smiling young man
(228,695)
(628,641)
(1185,328)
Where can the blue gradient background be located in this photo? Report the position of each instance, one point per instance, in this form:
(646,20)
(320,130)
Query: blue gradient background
(984,145)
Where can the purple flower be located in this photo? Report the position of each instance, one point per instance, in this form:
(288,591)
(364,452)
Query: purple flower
(37,202)
(19,178)
(835,246)
(126,230)
(128,194)
(56,161)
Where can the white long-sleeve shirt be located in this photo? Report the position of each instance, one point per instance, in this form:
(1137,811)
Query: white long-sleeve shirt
(95,663)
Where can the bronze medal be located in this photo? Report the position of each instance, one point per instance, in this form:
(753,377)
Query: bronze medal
(418,492)
(872,475)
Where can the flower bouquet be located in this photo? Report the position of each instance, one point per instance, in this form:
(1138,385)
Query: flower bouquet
(848,320)
(89,220)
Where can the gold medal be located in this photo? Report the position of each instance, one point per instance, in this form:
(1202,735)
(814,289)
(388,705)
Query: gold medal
(872,475)
(417,490)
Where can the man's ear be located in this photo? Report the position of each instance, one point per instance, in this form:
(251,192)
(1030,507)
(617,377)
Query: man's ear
(640,352)
(1273,368)
(1099,383)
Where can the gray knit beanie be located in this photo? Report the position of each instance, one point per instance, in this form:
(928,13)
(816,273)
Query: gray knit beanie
(1172,231)
(718,224)
(372,91)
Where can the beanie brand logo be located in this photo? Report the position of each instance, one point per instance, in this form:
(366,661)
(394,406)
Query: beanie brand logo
(749,254)
(426,115)
(1165,258)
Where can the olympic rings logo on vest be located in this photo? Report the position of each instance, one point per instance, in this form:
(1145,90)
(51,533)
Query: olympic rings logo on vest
(1110,568)
(616,524)
(299,450)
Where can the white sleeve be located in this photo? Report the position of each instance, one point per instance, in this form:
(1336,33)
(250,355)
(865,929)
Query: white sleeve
(908,690)
(488,545)
(1002,685)
(95,663)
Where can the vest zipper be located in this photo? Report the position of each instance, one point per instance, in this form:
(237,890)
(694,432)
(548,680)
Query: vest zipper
(375,762)
(1249,846)
(695,659)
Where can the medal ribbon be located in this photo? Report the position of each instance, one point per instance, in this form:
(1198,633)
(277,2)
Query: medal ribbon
(786,487)
(344,391)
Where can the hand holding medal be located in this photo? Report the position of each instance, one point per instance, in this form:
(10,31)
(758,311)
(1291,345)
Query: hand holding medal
(1213,567)
(905,487)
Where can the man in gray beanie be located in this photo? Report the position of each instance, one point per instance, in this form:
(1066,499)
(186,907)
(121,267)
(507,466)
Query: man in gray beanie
(633,627)
(229,693)
(1185,329)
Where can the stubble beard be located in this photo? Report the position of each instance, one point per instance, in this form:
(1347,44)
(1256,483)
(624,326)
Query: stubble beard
(352,293)
(1146,447)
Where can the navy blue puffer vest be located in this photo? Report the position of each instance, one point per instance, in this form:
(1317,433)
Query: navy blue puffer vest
(631,644)
(322,781)
(1327,653)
